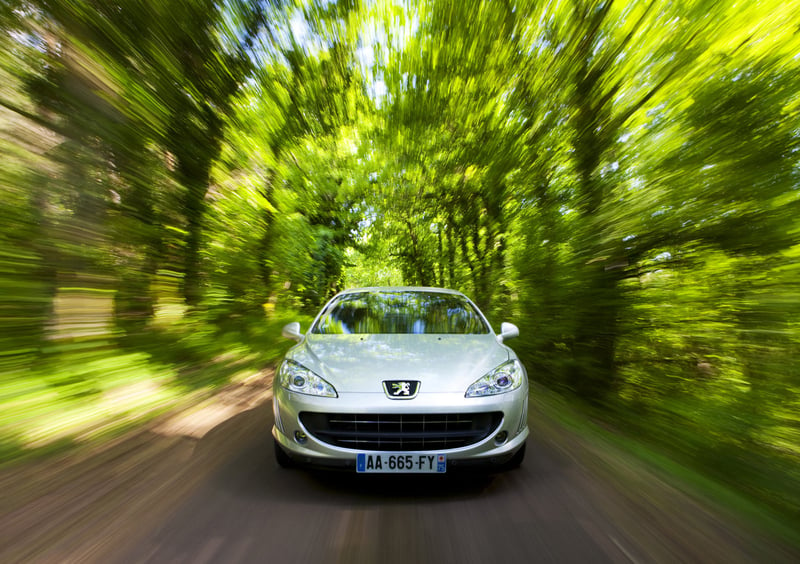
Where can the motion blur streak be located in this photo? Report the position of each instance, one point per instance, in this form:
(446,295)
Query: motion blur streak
(619,179)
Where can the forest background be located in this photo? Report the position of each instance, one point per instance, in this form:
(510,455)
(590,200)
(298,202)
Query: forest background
(619,179)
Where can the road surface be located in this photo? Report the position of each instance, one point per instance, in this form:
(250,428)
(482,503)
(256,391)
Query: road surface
(217,495)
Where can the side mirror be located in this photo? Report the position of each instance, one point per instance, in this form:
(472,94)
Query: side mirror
(292,331)
(507,331)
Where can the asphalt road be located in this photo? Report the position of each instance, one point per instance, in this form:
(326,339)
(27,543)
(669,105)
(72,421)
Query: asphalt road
(562,505)
(254,511)
(202,486)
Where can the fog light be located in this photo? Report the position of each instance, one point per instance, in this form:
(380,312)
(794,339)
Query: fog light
(501,437)
(300,437)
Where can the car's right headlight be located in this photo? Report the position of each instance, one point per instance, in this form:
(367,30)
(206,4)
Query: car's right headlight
(295,377)
(504,378)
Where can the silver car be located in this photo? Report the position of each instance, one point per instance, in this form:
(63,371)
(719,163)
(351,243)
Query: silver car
(400,379)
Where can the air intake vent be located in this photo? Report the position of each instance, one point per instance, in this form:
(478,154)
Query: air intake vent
(401,432)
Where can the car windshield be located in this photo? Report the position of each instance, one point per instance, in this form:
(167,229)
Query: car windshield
(401,312)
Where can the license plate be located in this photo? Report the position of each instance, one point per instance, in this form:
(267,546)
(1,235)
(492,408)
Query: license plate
(401,462)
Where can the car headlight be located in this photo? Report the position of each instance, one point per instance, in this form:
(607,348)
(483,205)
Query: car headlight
(504,378)
(297,378)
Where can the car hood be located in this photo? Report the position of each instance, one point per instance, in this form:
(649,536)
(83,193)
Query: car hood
(360,363)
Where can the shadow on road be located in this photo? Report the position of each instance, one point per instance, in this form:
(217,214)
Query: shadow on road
(254,473)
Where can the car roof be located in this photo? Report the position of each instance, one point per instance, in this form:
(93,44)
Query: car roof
(388,289)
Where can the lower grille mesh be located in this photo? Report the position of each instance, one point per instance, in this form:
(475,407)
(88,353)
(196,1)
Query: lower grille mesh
(401,432)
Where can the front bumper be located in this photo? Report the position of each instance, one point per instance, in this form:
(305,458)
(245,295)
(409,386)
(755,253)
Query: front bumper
(314,452)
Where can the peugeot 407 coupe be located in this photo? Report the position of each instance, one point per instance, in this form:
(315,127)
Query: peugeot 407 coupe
(400,379)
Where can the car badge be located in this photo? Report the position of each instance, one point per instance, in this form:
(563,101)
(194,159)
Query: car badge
(401,389)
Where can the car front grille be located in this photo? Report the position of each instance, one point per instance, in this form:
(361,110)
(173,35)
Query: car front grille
(401,432)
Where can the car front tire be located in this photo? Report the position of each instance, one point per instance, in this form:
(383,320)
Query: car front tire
(516,460)
(283,459)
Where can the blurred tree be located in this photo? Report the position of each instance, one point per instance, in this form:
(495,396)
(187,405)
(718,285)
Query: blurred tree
(446,124)
(146,85)
(210,67)
(305,100)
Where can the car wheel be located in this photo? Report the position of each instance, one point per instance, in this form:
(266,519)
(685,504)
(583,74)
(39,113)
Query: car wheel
(283,459)
(517,459)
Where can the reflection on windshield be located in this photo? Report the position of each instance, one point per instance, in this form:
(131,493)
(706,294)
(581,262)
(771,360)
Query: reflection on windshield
(401,312)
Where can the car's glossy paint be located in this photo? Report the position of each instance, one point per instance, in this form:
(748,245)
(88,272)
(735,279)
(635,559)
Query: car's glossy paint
(358,363)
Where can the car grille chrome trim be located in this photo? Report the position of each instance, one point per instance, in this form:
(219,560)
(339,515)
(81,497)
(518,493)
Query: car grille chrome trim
(276,410)
(523,418)
(401,432)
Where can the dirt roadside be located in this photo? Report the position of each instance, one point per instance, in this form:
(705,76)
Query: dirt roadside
(83,507)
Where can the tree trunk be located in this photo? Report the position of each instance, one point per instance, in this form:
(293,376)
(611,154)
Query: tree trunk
(593,373)
(195,208)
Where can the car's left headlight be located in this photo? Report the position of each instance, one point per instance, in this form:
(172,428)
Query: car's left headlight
(506,377)
(297,378)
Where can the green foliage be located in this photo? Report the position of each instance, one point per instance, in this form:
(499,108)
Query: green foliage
(89,391)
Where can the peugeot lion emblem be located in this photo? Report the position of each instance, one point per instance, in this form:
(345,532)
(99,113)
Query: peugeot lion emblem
(401,389)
